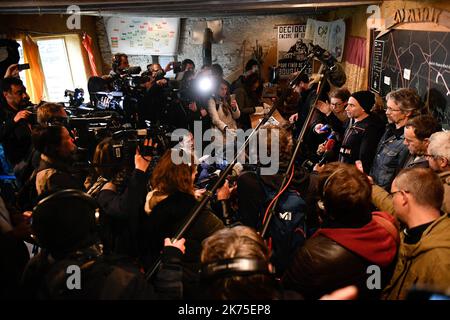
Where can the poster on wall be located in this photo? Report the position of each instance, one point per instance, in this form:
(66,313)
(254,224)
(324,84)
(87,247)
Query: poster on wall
(292,50)
(143,35)
(328,35)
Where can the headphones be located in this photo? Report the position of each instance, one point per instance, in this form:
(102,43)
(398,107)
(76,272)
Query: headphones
(48,203)
(235,267)
(320,203)
(67,194)
(328,180)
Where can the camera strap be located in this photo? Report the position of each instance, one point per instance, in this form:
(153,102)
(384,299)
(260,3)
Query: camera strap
(97,186)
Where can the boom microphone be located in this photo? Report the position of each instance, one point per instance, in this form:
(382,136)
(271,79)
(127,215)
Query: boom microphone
(335,72)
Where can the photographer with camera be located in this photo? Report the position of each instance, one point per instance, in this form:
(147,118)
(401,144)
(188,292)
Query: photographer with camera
(152,104)
(47,114)
(15,128)
(194,94)
(120,188)
(119,64)
(124,83)
(179,68)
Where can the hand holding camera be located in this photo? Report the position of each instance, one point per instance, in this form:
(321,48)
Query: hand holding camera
(23,114)
(143,156)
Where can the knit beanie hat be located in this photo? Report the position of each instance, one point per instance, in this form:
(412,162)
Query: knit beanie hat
(366,99)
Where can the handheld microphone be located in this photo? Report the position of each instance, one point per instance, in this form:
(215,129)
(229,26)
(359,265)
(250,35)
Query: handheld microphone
(328,154)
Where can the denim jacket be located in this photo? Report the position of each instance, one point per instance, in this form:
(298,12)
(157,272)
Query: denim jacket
(389,160)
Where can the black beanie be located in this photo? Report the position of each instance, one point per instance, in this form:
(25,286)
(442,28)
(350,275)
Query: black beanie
(366,99)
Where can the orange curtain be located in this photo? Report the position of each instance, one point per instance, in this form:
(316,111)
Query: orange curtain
(87,44)
(355,64)
(34,76)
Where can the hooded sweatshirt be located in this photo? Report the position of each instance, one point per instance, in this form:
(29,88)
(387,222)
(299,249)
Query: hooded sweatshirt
(374,241)
(338,255)
(426,263)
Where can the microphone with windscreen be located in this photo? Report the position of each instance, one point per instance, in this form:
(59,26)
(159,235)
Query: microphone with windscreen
(328,154)
(335,71)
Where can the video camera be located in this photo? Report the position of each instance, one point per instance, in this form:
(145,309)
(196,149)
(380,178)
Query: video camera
(76,97)
(323,55)
(129,79)
(130,140)
(32,119)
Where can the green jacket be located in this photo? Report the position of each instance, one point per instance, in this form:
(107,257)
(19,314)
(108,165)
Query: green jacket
(424,263)
(383,200)
(445,177)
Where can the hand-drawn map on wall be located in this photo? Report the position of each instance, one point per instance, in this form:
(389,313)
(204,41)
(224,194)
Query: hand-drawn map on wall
(143,35)
(414,59)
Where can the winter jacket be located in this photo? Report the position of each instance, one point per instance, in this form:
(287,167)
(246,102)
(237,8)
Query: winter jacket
(121,214)
(415,162)
(166,217)
(360,141)
(219,119)
(15,136)
(445,178)
(426,263)
(337,257)
(103,277)
(247,102)
(390,157)
(53,176)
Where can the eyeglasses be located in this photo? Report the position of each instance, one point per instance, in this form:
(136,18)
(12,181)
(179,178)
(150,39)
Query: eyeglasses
(392,110)
(339,104)
(392,193)
(430,156)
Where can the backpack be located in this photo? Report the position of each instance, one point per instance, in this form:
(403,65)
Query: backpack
(287,227)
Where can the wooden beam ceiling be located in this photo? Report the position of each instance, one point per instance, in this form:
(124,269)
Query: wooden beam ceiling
(180,8)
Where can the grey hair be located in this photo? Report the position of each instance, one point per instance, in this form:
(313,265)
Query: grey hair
(407,99)
(440,144)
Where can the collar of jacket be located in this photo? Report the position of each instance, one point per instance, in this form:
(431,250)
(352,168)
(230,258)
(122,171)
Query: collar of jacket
(393,132)
(445,177)
(47,162)
(435,236)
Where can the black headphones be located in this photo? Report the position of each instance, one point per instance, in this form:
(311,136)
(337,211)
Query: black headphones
(67,194)
(235,267)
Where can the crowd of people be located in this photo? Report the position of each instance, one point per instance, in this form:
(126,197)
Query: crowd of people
(377,198)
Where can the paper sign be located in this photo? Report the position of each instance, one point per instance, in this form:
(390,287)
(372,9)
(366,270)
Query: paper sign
(407,74)
(387,81)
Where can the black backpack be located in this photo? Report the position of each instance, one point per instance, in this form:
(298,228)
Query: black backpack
(288,225)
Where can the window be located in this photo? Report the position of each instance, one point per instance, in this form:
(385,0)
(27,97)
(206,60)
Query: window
(55,64)
(21,74)
(63,66)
